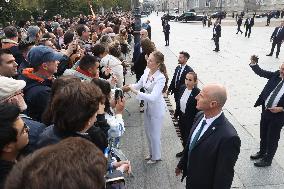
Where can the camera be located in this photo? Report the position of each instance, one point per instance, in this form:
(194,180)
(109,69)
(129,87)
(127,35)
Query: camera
(118,94)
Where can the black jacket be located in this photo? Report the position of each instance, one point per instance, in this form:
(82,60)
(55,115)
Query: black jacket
(140,64)
(273,79)
(5,168)
(278,38)
(212,160)
(217,30)
(240,21)
(172,87)
(249,25)
(190,110)
(36,94)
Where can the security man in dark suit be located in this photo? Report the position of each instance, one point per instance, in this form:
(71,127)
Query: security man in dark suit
(217,32)
(239,23)
(277,37)
(166,30)
(272,117)
(248,25)
(213,144)
(179,76)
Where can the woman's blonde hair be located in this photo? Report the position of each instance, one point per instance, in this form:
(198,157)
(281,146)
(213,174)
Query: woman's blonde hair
(159,57)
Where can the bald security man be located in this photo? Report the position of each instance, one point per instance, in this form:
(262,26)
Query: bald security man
(213,145)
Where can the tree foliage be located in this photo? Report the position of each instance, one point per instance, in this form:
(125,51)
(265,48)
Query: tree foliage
(23,9)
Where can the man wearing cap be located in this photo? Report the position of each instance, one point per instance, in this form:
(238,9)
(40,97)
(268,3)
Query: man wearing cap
(34,34)
(11,93)
(11,42)
(44,62)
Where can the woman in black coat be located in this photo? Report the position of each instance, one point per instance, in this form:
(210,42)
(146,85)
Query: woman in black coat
(186,107)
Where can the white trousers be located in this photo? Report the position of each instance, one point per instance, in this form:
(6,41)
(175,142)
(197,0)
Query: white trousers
(153,125)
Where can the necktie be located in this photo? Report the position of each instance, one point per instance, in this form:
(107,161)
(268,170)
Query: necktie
(274,94)
(196,137)
(178,74)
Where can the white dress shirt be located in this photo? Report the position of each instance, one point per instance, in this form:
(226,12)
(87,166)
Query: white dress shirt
(183,99)
(277,98)
(208,123)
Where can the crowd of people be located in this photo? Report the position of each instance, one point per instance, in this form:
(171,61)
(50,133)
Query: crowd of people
(61,99)
(62,85)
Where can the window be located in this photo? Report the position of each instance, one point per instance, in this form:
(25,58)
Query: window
(236,2)
(262,2)
(196,3)
(207,3)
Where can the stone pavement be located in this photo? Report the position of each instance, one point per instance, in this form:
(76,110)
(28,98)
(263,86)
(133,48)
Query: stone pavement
(228,67)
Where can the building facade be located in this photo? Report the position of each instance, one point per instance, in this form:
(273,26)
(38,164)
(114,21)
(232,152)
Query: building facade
(209,6)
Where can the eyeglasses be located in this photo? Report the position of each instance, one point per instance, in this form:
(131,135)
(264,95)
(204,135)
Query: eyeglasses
(25,129)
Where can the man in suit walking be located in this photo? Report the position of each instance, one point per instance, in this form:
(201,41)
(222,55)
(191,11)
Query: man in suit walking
(179,76)
(272,117)
(213,144)
(217,34)
(248,25)
(277,38)
(166,30)
(239,23)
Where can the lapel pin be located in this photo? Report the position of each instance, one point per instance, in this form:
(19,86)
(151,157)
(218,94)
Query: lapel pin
(213,128)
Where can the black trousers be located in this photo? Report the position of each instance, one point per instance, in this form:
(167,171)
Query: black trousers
(239,29)
(274,43)
(167,38)
(184,128)
(248,31)
(270,128)
(216,40)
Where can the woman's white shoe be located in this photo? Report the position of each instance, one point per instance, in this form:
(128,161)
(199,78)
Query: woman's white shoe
(152,161)
(148,157)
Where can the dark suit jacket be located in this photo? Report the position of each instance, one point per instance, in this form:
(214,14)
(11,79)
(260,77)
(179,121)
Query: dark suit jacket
(277,38)
(240,21)
(273,80)
(190,110)
(249,25)
(218,30)
(172,87)
(136,52)
(212,160)
(166,29)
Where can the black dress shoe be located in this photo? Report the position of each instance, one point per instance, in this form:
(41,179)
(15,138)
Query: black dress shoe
(258,155)
(179,154)
(269,55)
(262,163)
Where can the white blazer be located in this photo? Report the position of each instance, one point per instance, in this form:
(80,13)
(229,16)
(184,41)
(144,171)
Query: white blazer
(154,103)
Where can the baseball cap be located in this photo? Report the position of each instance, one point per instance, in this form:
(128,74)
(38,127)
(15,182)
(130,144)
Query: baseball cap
(40,54)
(32,32)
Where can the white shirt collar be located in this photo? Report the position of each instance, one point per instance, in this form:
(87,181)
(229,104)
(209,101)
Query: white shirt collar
(210,120)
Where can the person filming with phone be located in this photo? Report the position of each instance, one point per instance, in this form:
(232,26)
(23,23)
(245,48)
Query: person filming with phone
(272,117)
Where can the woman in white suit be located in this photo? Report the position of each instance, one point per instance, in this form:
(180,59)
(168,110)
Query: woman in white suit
(154,81)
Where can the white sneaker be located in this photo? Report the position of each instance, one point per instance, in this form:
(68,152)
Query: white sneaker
(148,157)
(152,161)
